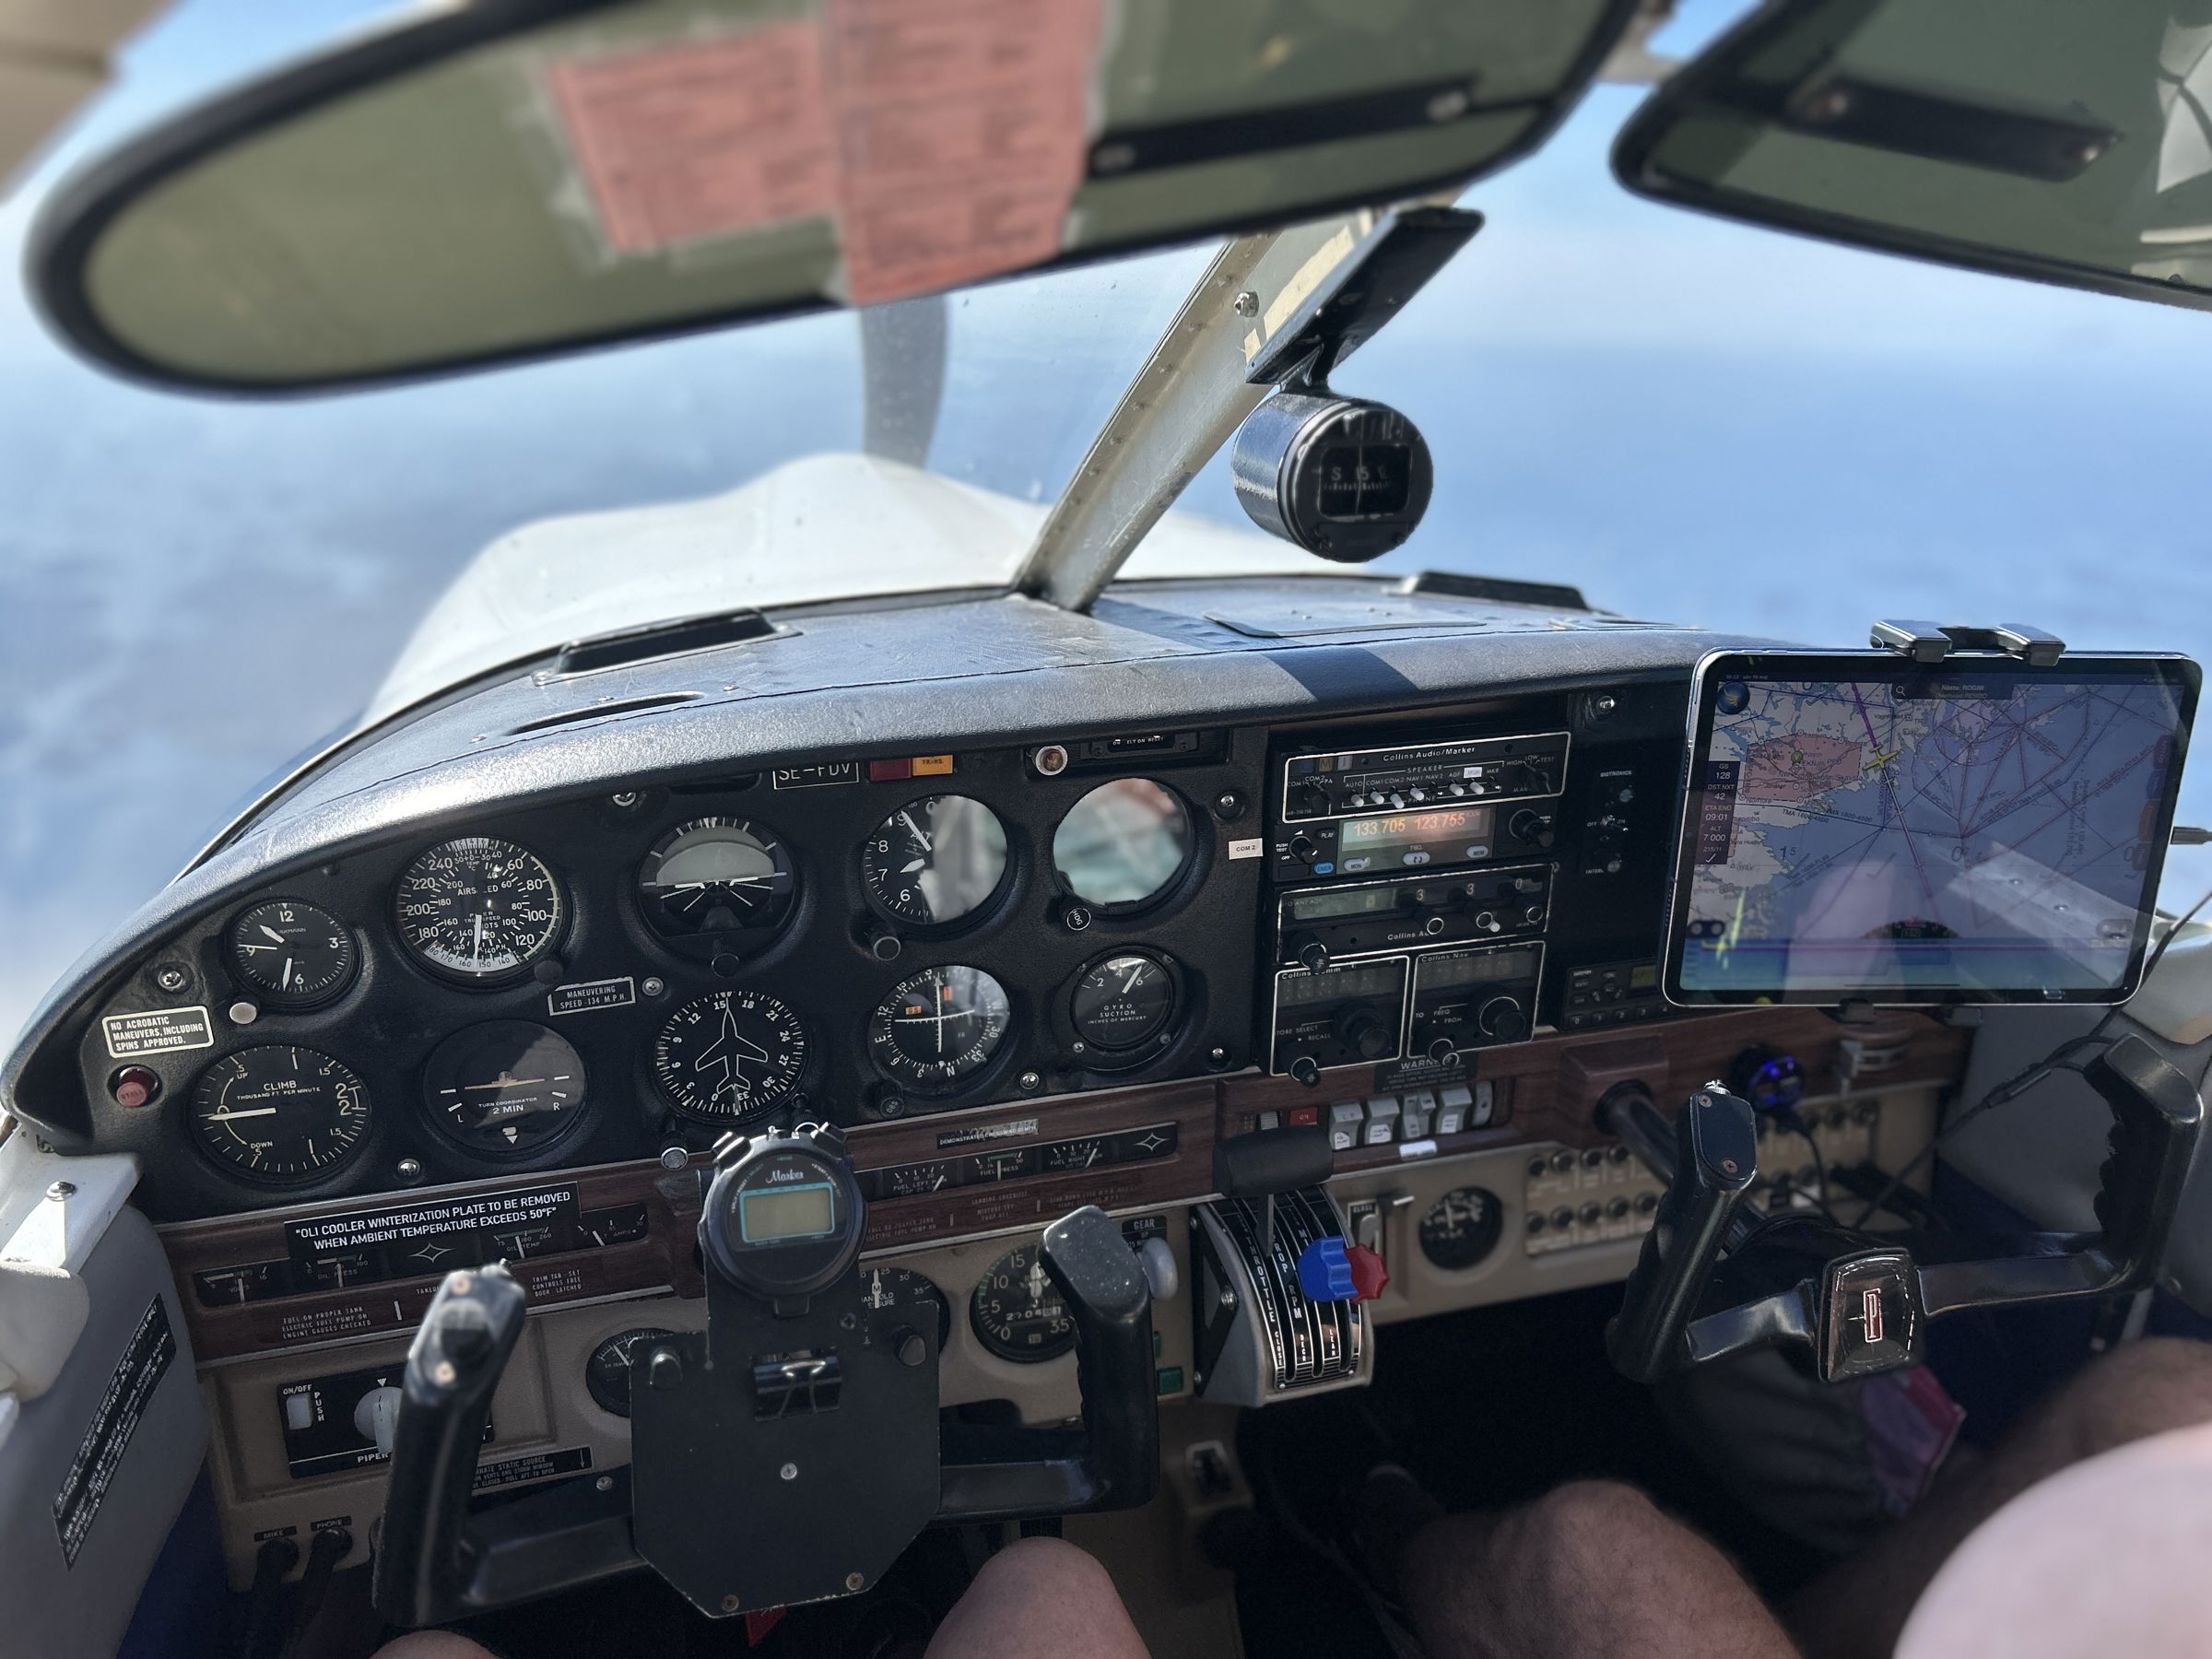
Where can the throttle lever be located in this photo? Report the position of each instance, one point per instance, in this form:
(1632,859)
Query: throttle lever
(1716,1163)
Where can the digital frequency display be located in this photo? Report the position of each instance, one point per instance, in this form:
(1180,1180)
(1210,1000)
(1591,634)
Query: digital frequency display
(1448,835)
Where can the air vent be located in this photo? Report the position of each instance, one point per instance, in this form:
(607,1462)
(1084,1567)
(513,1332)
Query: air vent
(628,645)
(603,711)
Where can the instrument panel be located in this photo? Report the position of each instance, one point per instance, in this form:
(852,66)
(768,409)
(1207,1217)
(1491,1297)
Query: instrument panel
(634,974)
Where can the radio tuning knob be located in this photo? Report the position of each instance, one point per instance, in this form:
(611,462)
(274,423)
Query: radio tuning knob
(1501,1017)
(1485,921)
(1302,847)
(1432,923)
(1305,1069)
(1362,1032)
(1442,1049)
(1312,954)
(1530,826)
(1534,916)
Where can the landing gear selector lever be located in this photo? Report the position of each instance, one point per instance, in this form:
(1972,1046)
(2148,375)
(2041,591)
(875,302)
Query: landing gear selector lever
(791,1450)
(1711,1283)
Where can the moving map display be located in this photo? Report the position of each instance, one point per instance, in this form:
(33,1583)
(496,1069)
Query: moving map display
(1867,828)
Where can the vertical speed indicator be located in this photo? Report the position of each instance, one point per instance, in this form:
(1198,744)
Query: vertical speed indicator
(478,909)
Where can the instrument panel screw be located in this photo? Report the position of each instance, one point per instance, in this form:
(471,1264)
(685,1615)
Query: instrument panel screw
(891,1106)
(443,1373)
(855,1581)
(60,1189)
(1228,1298)
(789,1472)
(606,1483)
(626,799)
(729,1604)
(653,986)
(1247,304)
(171,978)
(408,1169)
(1030,1082)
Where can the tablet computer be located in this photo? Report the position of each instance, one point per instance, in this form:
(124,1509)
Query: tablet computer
(1858,826)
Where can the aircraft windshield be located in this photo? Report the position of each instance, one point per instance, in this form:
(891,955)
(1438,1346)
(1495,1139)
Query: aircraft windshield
(1695,420)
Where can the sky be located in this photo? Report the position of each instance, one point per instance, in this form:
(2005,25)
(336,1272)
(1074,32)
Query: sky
(1696,421)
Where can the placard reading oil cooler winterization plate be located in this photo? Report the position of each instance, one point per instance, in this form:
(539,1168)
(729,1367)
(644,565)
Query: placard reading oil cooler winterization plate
(1859,826)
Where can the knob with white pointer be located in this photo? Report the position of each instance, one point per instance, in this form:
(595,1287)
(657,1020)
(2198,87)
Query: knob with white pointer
(1503,1018)
(1308,952)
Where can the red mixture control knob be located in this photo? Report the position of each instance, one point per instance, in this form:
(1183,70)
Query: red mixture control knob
(1368,1275)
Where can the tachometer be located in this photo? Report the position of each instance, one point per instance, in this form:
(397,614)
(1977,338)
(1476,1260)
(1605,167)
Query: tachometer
(935,860)
(295,954)
(504,1089)
(715,876)
(938,1027)
(1017,1311)
(479,908)
(729,1055)
(280,1114)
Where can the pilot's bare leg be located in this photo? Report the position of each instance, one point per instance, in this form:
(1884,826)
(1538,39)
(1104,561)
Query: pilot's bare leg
(1591,1567)
(1857,1608)
(432,1645)
(2030,1582)
(1039,1596)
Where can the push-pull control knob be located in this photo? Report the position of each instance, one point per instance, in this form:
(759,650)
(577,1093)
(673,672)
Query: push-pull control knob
(1502,1017)
(1432,923)
(1441,1049)
(1360,1030)
(1530,826)
(1305,1069)
(1302,847)
(1308,952)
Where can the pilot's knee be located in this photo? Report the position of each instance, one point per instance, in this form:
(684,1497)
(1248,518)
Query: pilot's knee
(1577,1529)
(1047,1569)
(432,1645)
(2134,1392)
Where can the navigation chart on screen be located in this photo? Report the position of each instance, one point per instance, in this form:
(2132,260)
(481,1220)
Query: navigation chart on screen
(1958,833)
